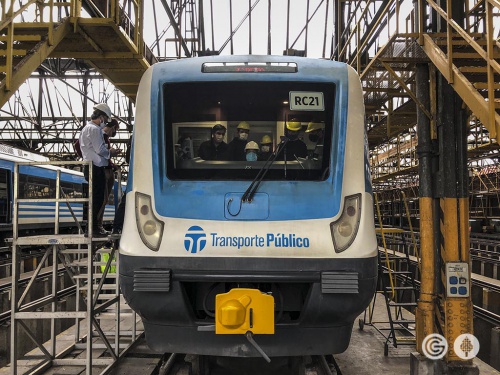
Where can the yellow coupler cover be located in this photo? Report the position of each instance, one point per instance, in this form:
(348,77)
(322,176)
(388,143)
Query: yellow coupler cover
(241,310)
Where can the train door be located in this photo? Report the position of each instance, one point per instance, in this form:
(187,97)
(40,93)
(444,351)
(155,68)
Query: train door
(5,196)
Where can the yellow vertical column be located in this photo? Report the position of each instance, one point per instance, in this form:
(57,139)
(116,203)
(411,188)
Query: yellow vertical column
(425,309)
(455,246)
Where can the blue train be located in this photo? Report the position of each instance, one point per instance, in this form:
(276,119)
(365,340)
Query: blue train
(40,182)
(233,254)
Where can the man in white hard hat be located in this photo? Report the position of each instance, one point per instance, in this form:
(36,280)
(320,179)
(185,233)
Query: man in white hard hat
(94,149)
(251,151)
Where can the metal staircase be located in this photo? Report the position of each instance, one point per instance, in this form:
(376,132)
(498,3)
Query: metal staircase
(99,338)
(469,58)
(111,42)
(397,284)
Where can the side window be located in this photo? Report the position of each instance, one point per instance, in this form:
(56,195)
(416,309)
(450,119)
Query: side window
(35,187)
(71,190)
(67,189)
(4,196)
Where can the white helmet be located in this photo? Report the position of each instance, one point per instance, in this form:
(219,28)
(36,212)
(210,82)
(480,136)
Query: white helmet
(252,146)
(103,107)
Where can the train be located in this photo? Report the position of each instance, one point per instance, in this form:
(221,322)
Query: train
(249,258)
(38,182)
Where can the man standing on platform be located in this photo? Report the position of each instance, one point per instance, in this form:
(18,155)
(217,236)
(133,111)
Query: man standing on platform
(95,149)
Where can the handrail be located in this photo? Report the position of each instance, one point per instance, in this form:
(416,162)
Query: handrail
(12,9)
(387,261)
(413,240)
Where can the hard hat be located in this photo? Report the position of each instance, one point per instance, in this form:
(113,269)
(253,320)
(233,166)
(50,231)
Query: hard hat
(103,107)
(218,128)
(252,146)
(312,126)
(243,125)
(294,125)
(266,139)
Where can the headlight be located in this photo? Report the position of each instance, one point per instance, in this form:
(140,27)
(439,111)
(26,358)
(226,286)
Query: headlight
(344,230)
(149,227)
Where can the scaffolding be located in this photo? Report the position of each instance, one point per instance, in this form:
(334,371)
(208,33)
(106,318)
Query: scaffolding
(94,276)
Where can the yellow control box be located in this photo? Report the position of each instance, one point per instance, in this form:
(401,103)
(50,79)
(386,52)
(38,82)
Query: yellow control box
(242,310)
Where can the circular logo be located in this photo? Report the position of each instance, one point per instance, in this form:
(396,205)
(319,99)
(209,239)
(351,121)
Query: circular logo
(434,346)
(466,346)
(195,239)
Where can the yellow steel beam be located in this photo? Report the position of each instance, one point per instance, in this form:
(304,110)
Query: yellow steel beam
(464,88)
(22,38)
(96,55)
(30,63)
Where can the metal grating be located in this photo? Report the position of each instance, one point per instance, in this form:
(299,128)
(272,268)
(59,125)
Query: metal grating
(152,280)
(339,282)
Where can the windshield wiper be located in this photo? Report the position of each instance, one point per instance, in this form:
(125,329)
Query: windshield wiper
(252,189)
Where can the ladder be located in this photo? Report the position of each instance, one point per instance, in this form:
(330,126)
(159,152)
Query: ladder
(396,283)
(98,306)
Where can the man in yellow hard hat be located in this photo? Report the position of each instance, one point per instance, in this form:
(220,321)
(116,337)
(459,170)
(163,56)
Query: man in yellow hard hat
(266,147)
(316,133)
(295,147)
(236,148)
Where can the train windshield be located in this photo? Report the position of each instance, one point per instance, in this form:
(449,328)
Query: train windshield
(231,130)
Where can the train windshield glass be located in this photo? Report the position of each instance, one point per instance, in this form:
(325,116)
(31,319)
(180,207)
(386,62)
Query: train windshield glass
(230,130)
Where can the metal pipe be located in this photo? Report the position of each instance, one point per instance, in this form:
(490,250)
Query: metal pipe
(425,309)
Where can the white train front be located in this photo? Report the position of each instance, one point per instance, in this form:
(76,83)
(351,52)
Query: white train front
(284,247)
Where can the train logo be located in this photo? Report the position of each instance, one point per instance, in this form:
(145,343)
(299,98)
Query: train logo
(195,239)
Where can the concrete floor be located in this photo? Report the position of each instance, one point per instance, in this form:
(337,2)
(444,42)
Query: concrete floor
(365,354)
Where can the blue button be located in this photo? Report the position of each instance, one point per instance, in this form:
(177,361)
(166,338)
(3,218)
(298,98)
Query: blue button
(453,280)
(453,290)
(462,290)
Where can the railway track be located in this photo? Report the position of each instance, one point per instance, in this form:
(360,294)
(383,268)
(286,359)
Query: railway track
(138,362)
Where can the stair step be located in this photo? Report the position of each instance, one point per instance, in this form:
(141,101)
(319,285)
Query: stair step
(95,275)
(400,288)
(406,339)
(398,272)
(402,321)
(22,38)
(402,304)
(15,52)
(392,257)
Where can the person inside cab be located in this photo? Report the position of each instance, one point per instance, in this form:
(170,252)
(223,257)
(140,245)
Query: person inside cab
(295,147)
(236,148)
(215,148)
(266,148)
(251,151)
(316,134)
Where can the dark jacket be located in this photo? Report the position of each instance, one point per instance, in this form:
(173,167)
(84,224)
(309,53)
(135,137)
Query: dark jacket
(208,150)
(263,156)
(236,149)
(294,148)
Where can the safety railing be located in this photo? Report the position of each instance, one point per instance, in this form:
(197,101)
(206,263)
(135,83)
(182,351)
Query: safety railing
(128,15)
(477,31)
